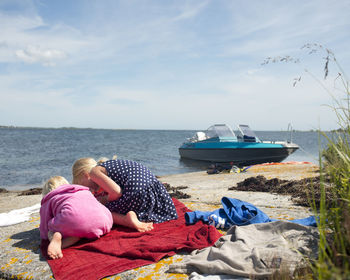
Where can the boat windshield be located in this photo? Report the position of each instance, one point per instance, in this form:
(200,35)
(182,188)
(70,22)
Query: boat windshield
(220,130)
(248,134)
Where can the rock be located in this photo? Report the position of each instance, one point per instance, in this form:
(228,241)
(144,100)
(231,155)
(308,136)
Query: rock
(174,191)
(303,191)
(31,191)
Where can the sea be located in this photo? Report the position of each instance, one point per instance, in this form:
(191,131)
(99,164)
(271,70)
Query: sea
(29,156)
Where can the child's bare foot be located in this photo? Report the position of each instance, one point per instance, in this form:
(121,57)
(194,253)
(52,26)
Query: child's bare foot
(130,220)
(54,250)
(135,223)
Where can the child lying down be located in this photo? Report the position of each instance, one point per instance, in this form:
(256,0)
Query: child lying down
(69,213)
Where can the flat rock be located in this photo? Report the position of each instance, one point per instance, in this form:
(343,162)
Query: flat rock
(19,244)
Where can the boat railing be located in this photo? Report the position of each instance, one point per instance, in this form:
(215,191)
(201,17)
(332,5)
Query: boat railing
(275,142)
(290,130)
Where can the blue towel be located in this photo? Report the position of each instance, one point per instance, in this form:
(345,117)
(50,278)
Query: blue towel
(237,212)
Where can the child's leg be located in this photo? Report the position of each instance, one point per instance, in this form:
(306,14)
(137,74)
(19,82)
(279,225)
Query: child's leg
(69,241)
(54,250)
(130,220)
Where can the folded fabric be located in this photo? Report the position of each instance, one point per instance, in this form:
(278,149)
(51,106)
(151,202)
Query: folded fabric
(196,276)
(18,215)
(123,249)
(237,212)
(255,251)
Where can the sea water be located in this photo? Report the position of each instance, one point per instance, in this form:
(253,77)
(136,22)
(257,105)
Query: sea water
(29,156)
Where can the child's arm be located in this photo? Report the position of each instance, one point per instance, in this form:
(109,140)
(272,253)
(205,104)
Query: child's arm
(99,176)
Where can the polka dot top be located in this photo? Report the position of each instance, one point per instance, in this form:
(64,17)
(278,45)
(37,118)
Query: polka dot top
(141,192)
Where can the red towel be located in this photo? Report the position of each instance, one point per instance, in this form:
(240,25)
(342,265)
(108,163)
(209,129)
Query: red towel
(123,249)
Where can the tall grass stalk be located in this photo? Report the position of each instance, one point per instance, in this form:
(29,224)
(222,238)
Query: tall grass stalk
(334,217)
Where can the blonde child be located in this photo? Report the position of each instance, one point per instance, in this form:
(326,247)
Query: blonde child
(69,213)
(132,193)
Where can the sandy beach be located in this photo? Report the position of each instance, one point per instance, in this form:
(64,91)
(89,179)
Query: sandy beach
(19,244)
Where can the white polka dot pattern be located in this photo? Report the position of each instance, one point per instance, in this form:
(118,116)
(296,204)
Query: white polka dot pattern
(141,192)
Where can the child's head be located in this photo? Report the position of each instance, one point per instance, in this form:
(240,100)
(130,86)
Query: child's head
(104,159)
(81,167)
(53,183)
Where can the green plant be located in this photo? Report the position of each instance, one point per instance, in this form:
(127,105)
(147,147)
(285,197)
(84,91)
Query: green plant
(333,217)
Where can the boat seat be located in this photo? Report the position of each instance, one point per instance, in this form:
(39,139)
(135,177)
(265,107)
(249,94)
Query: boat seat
(247,138)
(248,134)
(200,135)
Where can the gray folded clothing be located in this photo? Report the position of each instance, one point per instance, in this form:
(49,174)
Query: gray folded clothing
(255,250)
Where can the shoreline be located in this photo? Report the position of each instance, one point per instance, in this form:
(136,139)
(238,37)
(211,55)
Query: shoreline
(197,184)
(20,188)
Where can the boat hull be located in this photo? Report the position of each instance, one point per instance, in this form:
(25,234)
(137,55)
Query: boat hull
(238,156)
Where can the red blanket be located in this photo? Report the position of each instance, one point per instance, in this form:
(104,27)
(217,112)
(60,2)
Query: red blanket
(123,249)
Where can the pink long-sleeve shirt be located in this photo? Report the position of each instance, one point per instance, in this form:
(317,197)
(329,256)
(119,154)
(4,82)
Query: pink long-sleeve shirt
(72,210)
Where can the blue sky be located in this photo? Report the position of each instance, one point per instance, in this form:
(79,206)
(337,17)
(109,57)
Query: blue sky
(169,64)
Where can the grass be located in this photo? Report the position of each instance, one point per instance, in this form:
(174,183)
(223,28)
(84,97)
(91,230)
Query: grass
(334,216)
(334,248)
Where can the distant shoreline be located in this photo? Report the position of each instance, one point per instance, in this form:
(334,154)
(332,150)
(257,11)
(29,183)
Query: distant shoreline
(133,129)
(88,128)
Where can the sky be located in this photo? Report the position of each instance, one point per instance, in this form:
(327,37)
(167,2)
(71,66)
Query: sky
(175,64)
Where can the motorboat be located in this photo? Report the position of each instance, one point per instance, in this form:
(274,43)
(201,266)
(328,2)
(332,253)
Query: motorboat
(219,144)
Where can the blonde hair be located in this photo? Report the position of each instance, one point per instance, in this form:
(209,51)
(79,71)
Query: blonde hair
(103,159)
(53,183)
(82,166)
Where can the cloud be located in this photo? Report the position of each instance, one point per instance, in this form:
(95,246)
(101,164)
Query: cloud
(190,11)
(34,54)
(126,101)
(10,23)
(272,28)
(30,37)
(165,64)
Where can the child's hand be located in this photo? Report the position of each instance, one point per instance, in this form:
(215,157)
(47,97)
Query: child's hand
(99,176)
(103,199)
(112,197)
(93,187)
(97,191)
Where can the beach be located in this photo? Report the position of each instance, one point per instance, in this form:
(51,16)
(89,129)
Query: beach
(19,244)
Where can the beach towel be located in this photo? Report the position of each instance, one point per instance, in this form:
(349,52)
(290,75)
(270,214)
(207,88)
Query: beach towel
(238,212)
(124,249)
(18,215)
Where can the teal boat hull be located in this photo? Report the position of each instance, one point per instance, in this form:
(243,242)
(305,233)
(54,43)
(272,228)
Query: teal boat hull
(237,153)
